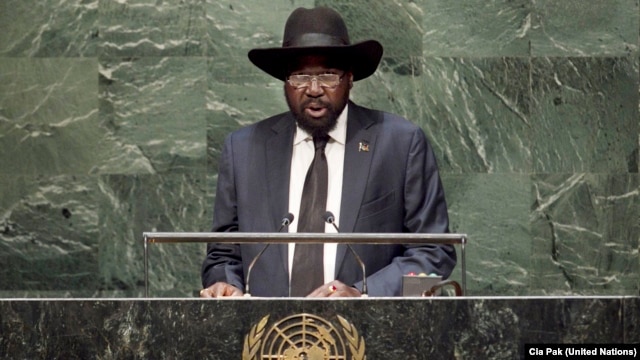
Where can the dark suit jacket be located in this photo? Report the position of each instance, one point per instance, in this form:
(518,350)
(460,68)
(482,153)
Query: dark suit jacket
(392,188)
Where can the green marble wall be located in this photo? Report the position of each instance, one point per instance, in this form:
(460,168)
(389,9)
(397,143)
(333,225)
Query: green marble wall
(112,115)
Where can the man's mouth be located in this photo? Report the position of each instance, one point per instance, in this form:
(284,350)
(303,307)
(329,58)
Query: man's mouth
(316,110)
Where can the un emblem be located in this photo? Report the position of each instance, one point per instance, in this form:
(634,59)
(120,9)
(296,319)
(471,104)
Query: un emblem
(303,337)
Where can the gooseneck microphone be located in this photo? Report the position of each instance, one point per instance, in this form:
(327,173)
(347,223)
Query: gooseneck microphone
(331,219)
(286,220)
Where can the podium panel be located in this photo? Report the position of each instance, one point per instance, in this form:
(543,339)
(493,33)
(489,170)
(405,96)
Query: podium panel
(385,328)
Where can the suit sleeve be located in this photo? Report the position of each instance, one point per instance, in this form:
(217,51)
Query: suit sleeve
(425,211)
(223,261)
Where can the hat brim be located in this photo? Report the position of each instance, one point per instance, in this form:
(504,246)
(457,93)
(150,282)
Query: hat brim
(364,57)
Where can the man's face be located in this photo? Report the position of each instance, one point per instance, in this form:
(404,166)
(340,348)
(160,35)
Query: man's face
(317,107)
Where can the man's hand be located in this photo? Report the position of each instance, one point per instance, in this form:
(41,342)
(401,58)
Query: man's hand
(220,289)
(335,289)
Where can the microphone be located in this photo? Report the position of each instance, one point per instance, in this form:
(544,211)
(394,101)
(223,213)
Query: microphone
(286,220)
(331,219)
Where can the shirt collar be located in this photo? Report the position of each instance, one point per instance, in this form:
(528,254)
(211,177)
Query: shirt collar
(338,134)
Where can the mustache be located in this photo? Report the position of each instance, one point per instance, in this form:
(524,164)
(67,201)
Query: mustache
(316,102)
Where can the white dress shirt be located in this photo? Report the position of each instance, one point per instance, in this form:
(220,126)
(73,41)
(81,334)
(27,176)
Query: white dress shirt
(303,153)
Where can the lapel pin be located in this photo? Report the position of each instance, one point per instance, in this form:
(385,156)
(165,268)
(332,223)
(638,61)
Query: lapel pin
(363,146)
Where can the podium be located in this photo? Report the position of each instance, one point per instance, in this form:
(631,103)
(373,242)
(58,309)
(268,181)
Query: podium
(353,328)
(390,328)
(275,238)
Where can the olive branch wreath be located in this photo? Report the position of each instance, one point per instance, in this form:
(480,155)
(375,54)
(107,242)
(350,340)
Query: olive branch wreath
(252,340)
(356,344)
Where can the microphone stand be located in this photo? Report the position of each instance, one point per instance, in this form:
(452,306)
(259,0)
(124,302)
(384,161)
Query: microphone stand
(328,217)
(285,222)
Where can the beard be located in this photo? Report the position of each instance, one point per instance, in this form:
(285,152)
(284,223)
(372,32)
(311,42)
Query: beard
(316,126)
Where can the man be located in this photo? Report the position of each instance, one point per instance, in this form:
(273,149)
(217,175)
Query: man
(374,171)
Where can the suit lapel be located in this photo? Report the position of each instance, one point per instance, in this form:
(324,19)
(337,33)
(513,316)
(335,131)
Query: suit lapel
(358,153)
(278,150)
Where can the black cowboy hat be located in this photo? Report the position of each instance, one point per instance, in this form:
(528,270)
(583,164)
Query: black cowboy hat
(318,31)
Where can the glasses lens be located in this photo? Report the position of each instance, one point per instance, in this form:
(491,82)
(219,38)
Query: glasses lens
(329,80)
(300,81)
(324,80)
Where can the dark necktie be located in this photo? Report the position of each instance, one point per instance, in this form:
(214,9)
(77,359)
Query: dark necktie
(308,267)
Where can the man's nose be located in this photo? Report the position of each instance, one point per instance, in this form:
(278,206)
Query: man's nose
(314,88)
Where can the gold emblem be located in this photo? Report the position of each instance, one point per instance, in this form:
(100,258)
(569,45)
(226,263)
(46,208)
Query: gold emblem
(363,146)
(303,337)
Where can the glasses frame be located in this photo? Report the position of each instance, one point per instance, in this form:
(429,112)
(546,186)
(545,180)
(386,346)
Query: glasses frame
(311,78)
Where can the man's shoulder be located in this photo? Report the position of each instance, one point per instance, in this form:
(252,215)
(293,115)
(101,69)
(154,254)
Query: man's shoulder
(383,118)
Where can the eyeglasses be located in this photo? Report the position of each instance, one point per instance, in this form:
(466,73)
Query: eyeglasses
(327,81)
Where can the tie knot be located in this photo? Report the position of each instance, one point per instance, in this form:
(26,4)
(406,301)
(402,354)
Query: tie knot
(320,141)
